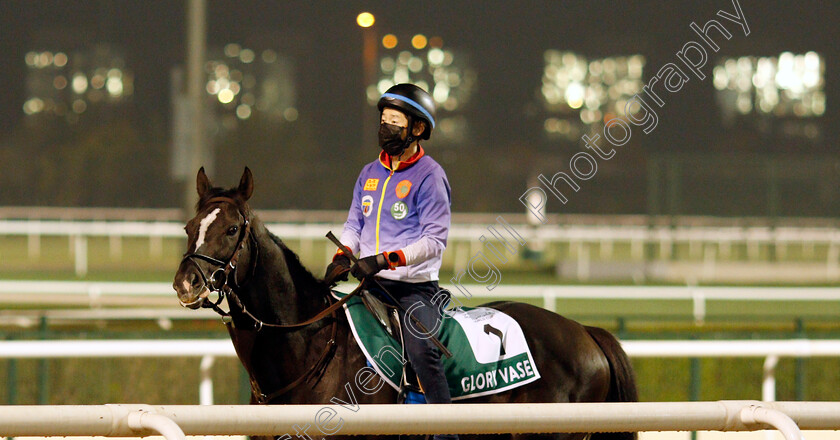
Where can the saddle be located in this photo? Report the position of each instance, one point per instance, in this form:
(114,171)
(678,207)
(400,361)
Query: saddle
(388,317)
(491,354)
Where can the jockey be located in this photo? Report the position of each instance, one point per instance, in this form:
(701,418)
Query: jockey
(398,224)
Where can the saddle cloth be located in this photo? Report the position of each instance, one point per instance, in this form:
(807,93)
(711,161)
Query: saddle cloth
(490,354)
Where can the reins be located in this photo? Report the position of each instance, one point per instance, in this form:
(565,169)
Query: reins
(230,267)
(230,285)
(259,324)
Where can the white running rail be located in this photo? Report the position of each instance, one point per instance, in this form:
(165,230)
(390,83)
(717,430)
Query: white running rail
(282,420)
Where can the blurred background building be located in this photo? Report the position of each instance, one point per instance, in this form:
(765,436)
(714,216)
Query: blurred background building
(95,99)
(65,85)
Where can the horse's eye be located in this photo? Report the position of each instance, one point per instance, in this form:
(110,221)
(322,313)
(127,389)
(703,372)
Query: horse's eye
(232,230)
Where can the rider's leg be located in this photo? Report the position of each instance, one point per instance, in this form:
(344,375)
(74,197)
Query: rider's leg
(425,358)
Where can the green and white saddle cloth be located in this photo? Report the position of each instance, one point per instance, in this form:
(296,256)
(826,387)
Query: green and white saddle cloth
(490,354)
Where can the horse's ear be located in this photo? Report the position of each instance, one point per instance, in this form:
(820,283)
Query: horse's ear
(202,183)
(246,184)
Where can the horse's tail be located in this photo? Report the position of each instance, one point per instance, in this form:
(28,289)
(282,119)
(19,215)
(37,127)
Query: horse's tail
(622,380)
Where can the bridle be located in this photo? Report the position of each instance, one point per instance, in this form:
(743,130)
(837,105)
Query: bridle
(223,281)
(220,280)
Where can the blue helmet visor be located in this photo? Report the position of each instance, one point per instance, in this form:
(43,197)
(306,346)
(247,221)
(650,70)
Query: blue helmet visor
(412,103)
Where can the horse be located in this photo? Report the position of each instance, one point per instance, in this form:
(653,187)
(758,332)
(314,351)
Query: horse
(298,349)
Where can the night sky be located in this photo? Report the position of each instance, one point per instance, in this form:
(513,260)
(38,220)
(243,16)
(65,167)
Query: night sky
(505,41)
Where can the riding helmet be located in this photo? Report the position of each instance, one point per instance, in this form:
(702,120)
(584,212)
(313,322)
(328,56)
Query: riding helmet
(413,101)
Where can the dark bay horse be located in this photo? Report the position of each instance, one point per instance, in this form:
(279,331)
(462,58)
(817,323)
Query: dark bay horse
(290,360)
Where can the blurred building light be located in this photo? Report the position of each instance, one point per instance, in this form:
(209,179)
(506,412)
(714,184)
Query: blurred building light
(448,57)
(221,70)
(225,96)
(818,104)
(114,86)
(415,64)
(383,85)
(404,57)
(247,56)
(365,19)
(60,59)
(98,81)
(790,85)
(451,103)
(436,42)
(590,116)
(440,93)
(243,111)
(79,106)
(372,93)
(743,104)
(31,59)
(419,41)
(45,59)
(578,92)
(232,50)
(32,106)
(98,75)
(389,41)
(80,83)
(212,87)
(245,82)
(387,64)
(435,57)
(290,114)
(574,95)
(60,82)
(634,66)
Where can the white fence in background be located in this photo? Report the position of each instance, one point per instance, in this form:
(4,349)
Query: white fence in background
(94,293)
(207,350)
(288,420)
(706,242)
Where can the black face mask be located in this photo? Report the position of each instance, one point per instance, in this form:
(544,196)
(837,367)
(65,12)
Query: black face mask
(390,140)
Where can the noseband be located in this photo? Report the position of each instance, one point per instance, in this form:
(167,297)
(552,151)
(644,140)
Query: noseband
(223,280)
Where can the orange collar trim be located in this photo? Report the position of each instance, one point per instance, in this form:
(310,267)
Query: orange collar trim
(385,159)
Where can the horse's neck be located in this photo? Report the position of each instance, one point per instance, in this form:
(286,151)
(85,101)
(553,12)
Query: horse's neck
(280,285)
(277,293)
(281,291)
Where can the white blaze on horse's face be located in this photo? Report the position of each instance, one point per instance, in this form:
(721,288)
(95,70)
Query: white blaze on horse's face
(204,224)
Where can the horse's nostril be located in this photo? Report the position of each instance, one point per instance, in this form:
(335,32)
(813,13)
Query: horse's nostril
(195,281)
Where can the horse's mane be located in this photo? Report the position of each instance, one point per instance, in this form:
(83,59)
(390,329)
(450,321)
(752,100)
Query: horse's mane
(303,278)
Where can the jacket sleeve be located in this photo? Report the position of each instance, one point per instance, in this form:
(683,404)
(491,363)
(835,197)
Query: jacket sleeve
(350,235)
(434,210)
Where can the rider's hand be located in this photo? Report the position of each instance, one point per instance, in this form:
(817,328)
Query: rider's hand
(368,266)
(338,269)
